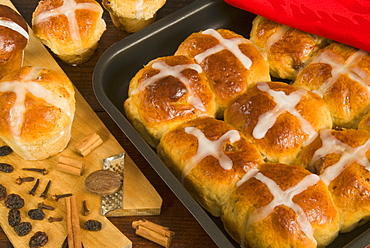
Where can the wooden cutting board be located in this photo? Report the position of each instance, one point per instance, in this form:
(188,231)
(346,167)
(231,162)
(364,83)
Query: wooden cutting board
(140,197)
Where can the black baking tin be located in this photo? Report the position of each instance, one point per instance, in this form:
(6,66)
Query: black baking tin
(123,60)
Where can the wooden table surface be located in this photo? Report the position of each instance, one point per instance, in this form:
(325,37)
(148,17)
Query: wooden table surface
(173,215)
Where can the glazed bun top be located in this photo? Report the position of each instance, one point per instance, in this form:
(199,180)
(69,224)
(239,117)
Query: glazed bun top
(279,118)
(287,50)
(68,27)
(14,39)
(167,92)
(340,74)
(230,61)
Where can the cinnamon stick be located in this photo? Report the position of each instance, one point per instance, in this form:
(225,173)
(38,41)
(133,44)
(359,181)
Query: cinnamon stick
(88,144)
(153,232)
(70,165)
(73,223)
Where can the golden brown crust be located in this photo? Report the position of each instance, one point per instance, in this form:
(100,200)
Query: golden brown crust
(340,74)
(228,76)
(350,187)
(130,16)
(208,181)
(167,101)
(12,43)
(43,128)
(72,43)
(284,139)
(364,123)
(286,49)
(280,226)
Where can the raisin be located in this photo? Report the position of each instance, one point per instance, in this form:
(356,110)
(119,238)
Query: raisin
(93,225)
(14,217)
(14,201)
(6,168)
(23,228)
(39,239)
(5,150)
(36,214)
(2,192)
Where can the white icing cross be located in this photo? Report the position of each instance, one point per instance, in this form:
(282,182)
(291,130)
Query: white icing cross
(166,70)
(68,9)
(231,44)
(338,68)
(283,103)
(283,198)
(14,26)
(349,155)
(208,147)
(20,89)
(139,9)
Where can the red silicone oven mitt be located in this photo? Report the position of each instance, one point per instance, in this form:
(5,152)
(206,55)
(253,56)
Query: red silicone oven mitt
(345,21)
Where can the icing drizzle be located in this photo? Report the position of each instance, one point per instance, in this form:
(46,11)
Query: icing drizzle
(283,103)
(20,89)
(208,147)
(14,26)
(339,68)
(139,9)
(166,70)
(68,9)
(349,155)
(231,44)
(282,198)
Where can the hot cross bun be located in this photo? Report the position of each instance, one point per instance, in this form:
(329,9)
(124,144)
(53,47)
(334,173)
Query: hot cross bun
(70,28)
(13,41)
(37,110)
(166,92)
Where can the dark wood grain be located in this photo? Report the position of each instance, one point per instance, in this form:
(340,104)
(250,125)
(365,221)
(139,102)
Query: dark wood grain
(173,215)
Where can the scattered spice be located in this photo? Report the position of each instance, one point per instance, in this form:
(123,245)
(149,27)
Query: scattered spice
(44,194)
(88,144)
(23,228)
(42,171)
(73,223)
(153,232)
(53,219)
(57,197)
(92,225)
(44,206)
(34,188)
(5,150)
(36,214)
(70,165)
(103,182)
(14,217)
(39,239)
(6,168)
(14,201)
(86,211)
(21,180)
(2,192)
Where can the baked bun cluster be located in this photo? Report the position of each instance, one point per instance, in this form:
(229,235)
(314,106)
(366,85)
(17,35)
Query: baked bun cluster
(70,28)
(271,159)
(37,110)
(13,39)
